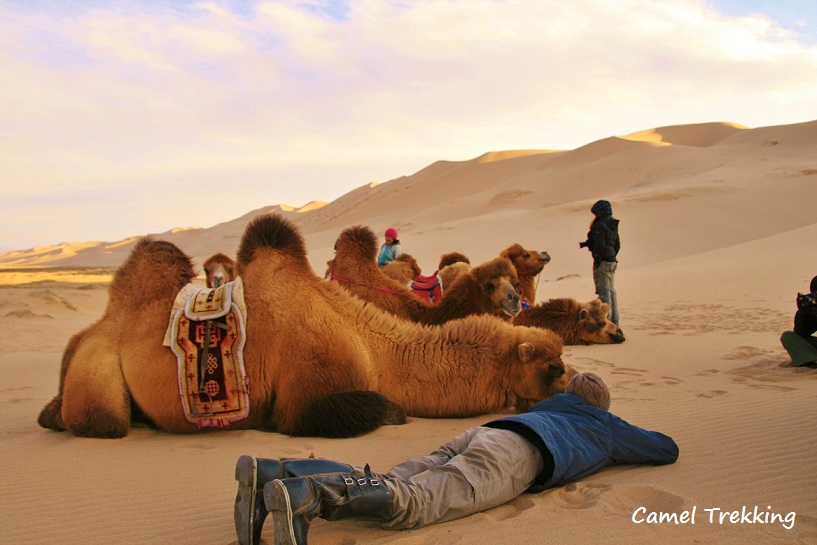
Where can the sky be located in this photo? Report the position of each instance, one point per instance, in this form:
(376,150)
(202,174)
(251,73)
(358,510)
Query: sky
(125,118)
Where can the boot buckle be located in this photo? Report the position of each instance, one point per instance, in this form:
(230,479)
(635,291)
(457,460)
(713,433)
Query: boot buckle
(348,481)
(361,481)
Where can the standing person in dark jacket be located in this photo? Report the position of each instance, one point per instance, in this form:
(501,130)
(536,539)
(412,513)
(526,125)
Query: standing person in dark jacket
(564,438)
(603,242)
(801,344)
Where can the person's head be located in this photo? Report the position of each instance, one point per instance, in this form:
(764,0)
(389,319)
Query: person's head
(591,388)
(602,209)
(813,286)
(391,235)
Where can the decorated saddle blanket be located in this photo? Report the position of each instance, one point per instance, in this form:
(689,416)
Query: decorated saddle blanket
(427,288)
(207,331)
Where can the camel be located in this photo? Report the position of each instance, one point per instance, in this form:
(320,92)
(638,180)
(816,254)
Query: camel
(451,258)
(219,270)
(319,362)
(404,268)
(487,289)
(575,322)
(528,263)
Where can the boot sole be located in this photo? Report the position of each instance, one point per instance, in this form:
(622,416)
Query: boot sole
(278,504)
(246,474)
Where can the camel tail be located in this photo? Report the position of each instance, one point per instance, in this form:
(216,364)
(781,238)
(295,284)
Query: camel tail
(349,414)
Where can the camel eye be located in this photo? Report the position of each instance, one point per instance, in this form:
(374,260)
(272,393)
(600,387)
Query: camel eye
(526,256)
(489,288)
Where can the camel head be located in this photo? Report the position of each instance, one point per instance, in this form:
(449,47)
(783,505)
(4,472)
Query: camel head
(498,283)
(594,327)
(539,372)
(219,270)
(527,262)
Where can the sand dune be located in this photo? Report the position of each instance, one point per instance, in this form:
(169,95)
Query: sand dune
(718,231)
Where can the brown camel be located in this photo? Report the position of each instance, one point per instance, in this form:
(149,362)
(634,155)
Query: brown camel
(404,268)
(575,322)
(219,269)
(486,289)
(528,263)
(318,361)
(451,258)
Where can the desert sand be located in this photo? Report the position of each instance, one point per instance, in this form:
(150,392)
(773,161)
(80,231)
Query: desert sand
(718,235)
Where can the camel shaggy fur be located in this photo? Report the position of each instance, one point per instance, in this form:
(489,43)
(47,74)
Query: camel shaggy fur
(404,268)
(574,322)
(528,263)
(318,361)
(451,258)
(487,289)
(219,269)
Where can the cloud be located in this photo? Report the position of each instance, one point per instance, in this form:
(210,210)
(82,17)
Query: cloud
(315,99)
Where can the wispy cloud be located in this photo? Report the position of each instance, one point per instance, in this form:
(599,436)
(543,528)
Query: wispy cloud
(146,102)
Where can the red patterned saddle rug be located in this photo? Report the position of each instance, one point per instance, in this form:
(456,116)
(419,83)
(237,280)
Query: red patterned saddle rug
(207,332)
(428,288)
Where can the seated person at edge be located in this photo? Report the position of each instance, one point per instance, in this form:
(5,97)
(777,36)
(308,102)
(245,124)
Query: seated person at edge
(561,439)
(801,344)
(389,249)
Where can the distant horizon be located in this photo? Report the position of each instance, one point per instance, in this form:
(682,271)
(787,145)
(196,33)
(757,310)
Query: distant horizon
(129,118)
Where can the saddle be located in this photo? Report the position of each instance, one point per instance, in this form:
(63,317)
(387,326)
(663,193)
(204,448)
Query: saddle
(427,288)
(207,331)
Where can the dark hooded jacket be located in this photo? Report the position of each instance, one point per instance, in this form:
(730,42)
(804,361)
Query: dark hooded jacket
(602,239)
(805,320)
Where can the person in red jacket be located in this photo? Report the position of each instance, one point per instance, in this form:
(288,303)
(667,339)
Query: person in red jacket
(561,439)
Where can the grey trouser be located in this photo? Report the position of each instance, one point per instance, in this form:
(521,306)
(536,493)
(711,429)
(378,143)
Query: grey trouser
(603,277)
(801,349)
(479,469)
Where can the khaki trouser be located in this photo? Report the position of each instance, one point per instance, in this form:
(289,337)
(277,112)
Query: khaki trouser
(604,278)
(479,469)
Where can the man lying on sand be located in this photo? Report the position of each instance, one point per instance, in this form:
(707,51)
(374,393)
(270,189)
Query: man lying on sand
(564,438)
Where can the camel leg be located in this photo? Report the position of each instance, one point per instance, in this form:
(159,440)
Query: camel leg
(344,414)
(95,399)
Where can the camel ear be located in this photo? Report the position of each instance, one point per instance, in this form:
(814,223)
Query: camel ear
(526,352)
(583,313)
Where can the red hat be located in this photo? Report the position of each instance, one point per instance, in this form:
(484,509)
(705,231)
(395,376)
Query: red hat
(391,232)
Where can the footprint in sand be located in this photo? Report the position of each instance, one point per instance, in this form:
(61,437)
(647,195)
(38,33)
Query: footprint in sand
(712,393)
(194,446)
(671,381)
(625,500)
(628,371)
(581,495)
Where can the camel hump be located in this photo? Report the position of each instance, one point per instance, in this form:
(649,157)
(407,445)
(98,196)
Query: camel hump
(154,270)
(270,231)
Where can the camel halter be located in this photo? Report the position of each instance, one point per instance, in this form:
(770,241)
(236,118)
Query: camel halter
(332,276)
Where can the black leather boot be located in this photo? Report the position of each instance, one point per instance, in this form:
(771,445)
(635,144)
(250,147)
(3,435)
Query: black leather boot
(295,502)
(253,473)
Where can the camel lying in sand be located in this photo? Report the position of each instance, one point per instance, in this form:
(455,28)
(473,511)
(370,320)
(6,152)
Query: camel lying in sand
(486,289)
(528,264)
(318,361)
(219,269)
(574,322)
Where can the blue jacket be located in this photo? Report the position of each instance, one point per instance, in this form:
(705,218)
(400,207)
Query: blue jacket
(584,439)
(387,253)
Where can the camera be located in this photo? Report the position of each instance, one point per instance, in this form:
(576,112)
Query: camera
(805,300)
